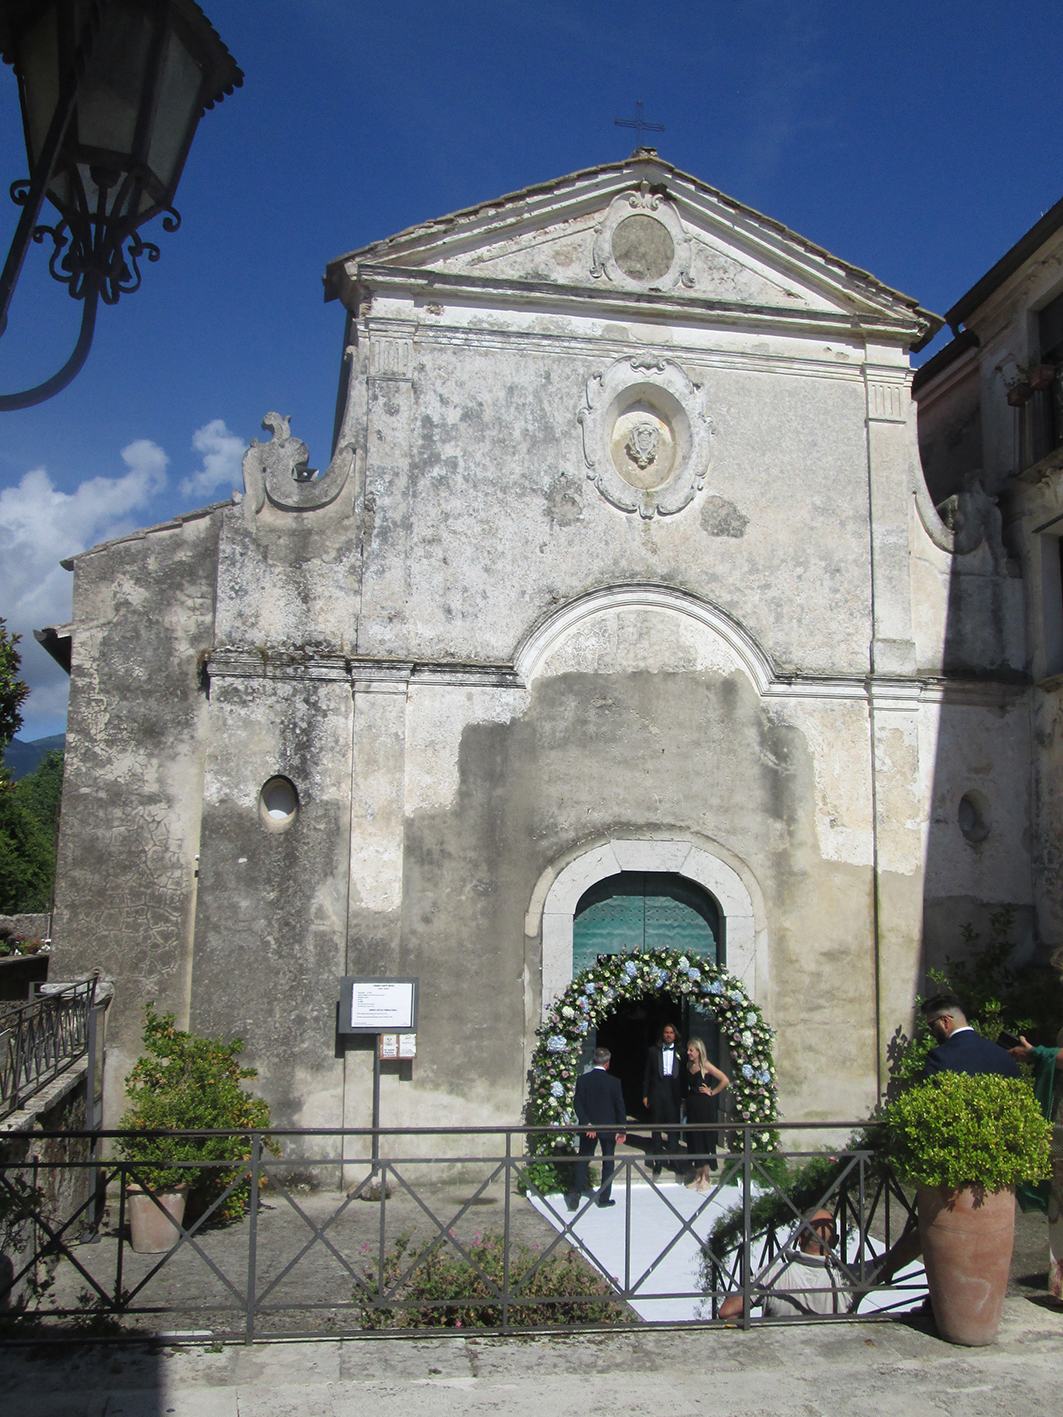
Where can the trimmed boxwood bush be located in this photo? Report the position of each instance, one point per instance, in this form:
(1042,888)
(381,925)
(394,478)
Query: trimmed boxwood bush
(956,1130)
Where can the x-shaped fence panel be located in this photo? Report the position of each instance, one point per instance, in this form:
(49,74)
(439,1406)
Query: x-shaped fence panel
(345,1232)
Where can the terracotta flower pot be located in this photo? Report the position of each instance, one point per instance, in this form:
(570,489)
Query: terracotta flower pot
(152,1230)
(967,1238)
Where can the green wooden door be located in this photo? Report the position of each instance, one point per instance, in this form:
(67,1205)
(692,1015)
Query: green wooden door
(644,910)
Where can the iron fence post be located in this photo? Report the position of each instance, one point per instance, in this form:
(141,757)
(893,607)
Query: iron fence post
(505,1237)
(747,1228)
(121,1236)
(252,1239)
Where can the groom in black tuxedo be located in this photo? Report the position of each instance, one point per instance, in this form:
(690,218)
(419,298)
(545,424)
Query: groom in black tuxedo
(599,1104)
(662,1093)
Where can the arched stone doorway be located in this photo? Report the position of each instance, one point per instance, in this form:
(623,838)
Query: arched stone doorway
(629,914)
(561,887)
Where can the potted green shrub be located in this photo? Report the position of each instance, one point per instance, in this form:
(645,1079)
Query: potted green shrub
(965,1142)
(184,1083)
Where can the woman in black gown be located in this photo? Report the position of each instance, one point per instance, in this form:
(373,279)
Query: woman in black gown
(702,1084)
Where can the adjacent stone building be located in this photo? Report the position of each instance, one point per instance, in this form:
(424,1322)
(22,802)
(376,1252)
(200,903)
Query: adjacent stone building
(623,589)
(991,435)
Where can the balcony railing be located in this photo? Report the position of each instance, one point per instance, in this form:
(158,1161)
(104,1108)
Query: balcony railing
(43,1038)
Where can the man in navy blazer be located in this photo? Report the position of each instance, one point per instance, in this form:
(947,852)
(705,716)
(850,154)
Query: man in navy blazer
(599,1104)
(960,1049)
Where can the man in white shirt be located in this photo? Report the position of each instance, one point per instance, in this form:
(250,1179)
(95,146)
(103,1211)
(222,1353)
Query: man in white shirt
(799,1282)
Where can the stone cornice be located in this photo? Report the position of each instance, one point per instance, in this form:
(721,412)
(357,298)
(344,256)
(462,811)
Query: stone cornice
(366,674)
(425,285)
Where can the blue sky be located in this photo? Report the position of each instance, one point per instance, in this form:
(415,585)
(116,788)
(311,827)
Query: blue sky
(919,142)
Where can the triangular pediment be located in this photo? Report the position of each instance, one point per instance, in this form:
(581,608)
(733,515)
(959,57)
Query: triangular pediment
(641,228)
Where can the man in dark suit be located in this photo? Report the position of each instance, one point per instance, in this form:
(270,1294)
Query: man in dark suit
(662,1093)
(599,1104)
(960,1049)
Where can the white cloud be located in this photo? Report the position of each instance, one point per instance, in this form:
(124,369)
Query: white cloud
(223,453)
(39,526)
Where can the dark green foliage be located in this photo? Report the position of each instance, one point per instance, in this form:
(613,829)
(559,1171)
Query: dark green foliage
(29,823)
(13,692)
(955,1130)
(443,1274)
(1028,1001)
(799,1188)
(185,1083)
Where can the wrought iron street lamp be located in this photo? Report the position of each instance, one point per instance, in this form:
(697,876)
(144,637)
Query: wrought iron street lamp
(112,92)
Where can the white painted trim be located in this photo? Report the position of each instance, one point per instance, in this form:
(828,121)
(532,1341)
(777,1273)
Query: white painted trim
(745,946)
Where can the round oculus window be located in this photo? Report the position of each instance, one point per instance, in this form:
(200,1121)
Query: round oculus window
(643,248)
(278,802)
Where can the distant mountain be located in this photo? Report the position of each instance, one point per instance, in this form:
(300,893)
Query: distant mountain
(24,758)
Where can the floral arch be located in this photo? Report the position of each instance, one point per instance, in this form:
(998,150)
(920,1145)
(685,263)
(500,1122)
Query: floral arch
(595,992)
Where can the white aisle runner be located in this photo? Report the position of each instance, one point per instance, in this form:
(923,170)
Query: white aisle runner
(657,1216)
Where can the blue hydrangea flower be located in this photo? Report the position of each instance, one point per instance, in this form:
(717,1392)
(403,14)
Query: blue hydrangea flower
(589,987)
(556,1090)
(631,969)
(747,1072)
(683,965)
(751,1018)
(715,987)
(556,1044)
(738,996)
(694,974)
(765,1076)
(584,1002)
(583,1025)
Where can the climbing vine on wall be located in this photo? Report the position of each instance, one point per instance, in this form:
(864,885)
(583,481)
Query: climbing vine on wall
(594,994)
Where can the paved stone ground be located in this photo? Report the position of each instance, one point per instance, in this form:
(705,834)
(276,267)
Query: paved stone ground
(795,1370)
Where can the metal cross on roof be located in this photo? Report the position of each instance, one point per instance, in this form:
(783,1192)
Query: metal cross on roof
(639,123)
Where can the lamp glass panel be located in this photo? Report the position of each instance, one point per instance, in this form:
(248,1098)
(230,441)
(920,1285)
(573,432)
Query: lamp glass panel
(176,112)
(111,92)
(38,58)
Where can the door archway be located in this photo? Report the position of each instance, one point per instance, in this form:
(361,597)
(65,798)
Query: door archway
(558,892)
(633,913)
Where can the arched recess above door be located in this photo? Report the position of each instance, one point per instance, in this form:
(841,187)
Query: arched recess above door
(582,626)
(558,892)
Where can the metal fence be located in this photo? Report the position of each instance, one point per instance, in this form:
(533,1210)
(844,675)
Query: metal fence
(312,1234)
(42,1038)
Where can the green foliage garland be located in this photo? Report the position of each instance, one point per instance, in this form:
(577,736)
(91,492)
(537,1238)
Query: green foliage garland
(956,1130)
(184,1083)
(595,992)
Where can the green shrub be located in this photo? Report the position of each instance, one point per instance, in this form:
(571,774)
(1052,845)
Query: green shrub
(185,1083)
(955,1130)
(796,1188)
(442,1274)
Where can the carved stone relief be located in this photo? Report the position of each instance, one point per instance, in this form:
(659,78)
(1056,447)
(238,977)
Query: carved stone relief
(278,470)
(641,243)
(646,436)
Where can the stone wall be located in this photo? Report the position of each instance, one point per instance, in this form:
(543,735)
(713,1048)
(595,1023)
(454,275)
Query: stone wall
(58,1107)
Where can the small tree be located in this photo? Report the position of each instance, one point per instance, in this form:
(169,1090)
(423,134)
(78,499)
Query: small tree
(185,1083)
(13,691)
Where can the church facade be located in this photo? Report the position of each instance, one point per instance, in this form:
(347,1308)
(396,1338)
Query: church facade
(621,602)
